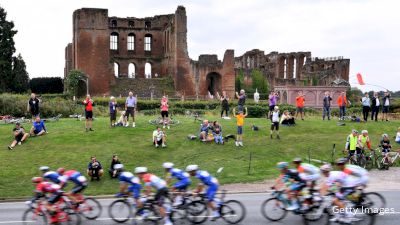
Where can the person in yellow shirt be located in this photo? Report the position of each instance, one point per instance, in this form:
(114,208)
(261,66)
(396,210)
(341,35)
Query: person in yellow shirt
(240,122)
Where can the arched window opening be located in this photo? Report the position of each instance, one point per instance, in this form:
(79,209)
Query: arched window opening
(147,70)
(114,23)
(285,69)
(116,69)
(294,68)
(131,42)
(114,41)
(131,70)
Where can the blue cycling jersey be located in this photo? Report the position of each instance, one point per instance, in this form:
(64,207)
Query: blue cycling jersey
(179,174)
(206,178)
(52,176)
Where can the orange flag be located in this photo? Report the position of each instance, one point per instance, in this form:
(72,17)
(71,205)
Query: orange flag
(360,79)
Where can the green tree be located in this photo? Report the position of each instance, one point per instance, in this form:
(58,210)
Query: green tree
(259,82)
(72,81)
(239,80)
(7,49)
(20,80)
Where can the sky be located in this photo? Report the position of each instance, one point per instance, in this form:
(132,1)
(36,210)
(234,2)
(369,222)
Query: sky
(365,31)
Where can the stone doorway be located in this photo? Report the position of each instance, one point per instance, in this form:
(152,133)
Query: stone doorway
(214,84)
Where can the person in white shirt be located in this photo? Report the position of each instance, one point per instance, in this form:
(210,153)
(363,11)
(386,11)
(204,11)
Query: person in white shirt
(366,106)
(397,140)
(275,122)
(159,138)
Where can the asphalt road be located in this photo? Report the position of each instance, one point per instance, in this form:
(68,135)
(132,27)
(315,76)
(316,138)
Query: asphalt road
(11,213)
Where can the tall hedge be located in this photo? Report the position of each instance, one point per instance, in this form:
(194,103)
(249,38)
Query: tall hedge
(47,85)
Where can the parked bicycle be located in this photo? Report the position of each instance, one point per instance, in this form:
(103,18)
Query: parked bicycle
(14,120)
(372,160)
(160,121)
(387,160)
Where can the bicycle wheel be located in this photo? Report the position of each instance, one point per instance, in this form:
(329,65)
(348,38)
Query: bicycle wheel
(72,218)
(90,208)
(197,212)
(369,163)
(273,209)
(374,202)
(146,216)
(178,216)
(120,211)
(362,162)
(233,211)
(31,218)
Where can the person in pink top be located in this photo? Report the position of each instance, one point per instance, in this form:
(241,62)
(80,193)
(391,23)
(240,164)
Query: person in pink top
(164,111)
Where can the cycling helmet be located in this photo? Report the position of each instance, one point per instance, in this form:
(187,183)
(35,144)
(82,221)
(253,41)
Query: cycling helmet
(297,160)
(282,165)
(354,131)
(60,170)
(118,166)
(44,168)
(168,165)
(140,170)
(364,132)
(326,168)
(191,168)
(341,161)
(37,180)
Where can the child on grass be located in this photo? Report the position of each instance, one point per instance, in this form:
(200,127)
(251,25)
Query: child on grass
(275,122)
(240,122)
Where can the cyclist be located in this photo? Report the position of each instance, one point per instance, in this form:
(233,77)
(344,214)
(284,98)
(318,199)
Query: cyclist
(337,182)
(78,179)
(181,185)
(310,174)
(152,181)
(54,193)
(50,175)
(359,176)
(206,180)
(294,184)
(386,147)
(128,183)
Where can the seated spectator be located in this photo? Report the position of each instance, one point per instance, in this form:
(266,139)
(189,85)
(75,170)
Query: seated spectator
(204,135)
(19,136)
(94,170)
(397,140)
(38,128)
(287,119)
(217,133)
(112,171)
(122,120)
(159,138)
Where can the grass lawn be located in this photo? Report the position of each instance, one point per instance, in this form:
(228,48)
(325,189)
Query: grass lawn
(69,146)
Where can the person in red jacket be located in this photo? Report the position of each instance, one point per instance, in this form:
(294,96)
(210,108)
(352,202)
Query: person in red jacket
(88,102)
(342,102)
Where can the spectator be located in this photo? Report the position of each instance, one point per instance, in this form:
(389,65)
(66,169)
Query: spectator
(275,122)
(204,128)
(217,133)
(94,170)
(224,104)
(33,105)
(159,138)
(273,101)
(122,119)
(19,136)
(366,106)
(287,119)
(38,128)
(88,102)
(256,96)
(397,140)
(353,144)
(300,99)
(342,102)
(327,106)
(130,105)
(364,140)
(240,122)
(113,111)
(375,106)
(164,111)
(112,171)
(386,105)
(241,100)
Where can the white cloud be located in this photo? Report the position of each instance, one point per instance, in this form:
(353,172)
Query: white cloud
(364,31)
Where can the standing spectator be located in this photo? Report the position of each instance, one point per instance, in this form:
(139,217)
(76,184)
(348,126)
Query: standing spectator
(19,136)
(204,128)
(130,105)
(386,104)
(113,111)
(353,144)
(397,140)
(273,101)
(224,104)
(217,133)
(300,99)
(366,106)
(164,111)
(159,138)
(240,122)
(342,102)
(94,170)
(241,100)
(112,171)
(275,122)
(327,106)
(88,102)
(375,106)
(38,128)
(33,105)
